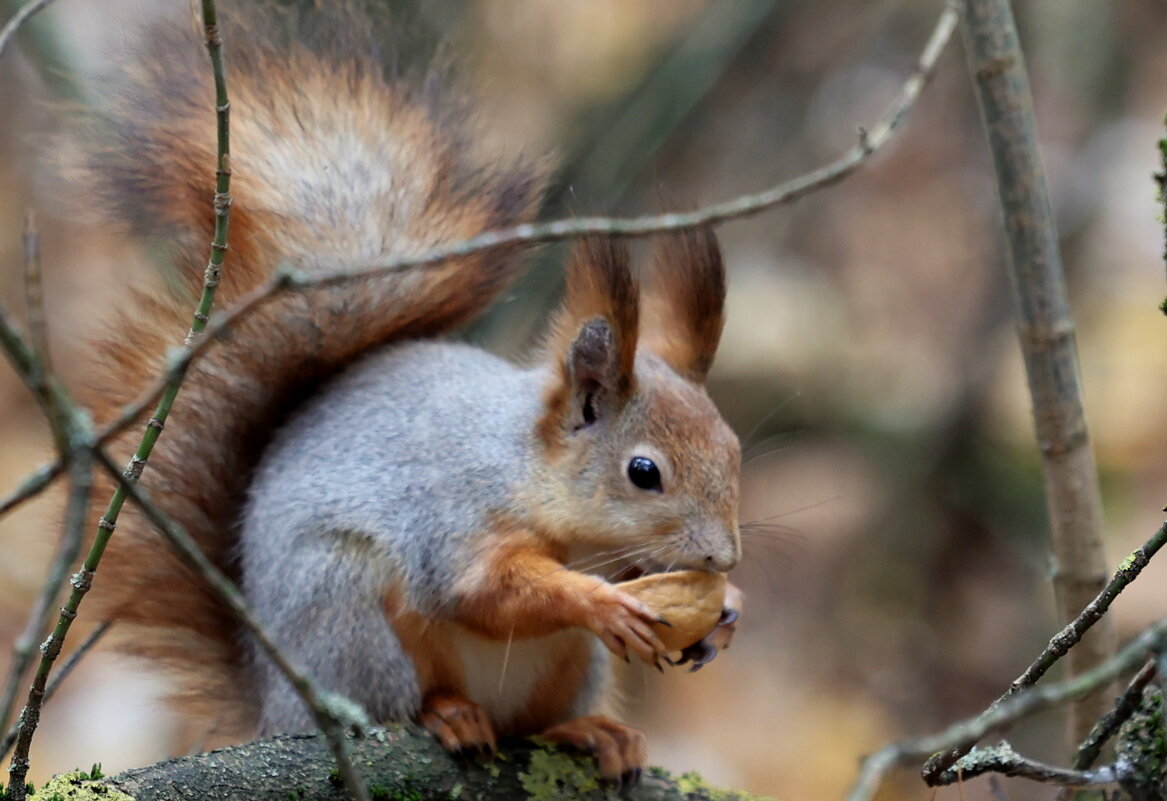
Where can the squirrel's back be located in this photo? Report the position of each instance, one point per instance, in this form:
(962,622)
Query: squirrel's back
(418,443)
(341,157)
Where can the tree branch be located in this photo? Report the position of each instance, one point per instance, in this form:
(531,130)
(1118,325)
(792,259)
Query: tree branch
(963,735)
(17,21)
(1061,643)
(1045,327)
(400,761)
(1004,760)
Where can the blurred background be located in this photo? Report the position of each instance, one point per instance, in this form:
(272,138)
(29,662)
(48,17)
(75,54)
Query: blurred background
(869,363)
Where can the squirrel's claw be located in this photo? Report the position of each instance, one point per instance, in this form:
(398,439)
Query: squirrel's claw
(619,749)
(624,624)
(701,653)
(458,723)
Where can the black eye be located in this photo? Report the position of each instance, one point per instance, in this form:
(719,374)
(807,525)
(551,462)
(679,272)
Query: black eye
(644,473)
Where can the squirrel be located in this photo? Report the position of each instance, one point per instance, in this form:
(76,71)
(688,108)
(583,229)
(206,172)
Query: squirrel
(411,519)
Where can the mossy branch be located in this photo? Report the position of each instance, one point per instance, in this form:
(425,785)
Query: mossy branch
(400,763)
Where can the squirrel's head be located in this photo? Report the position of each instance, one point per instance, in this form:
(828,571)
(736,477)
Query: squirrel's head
(640,463)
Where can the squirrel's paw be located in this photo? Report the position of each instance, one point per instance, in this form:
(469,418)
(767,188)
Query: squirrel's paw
(457,722)
(624,623)
(703,651)
(620,750)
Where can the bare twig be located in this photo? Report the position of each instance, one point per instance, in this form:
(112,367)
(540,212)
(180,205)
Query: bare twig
(59,677)
(33,485)
(333,714)
(34,296)
(1045,327)
(1061,643)
(963,735)
(1105,728)
(81,483)
(36,362)
(59,406)
(1004,760)
(18,19)
(288,279)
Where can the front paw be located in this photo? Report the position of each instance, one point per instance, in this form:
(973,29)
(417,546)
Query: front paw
(623,623)
(702,652)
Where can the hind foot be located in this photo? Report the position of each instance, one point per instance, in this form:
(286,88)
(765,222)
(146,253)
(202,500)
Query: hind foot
(620,750)
(457,722)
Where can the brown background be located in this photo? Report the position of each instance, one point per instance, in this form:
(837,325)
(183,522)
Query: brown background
(869,362)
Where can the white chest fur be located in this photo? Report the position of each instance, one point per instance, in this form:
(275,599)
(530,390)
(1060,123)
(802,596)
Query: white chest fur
(502,676)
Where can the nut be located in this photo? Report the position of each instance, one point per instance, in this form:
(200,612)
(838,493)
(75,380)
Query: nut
(690,600)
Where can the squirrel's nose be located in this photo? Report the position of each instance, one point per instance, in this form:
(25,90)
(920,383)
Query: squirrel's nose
(722,562)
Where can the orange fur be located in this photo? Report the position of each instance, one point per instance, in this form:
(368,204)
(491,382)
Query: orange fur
(683,302)
(153,166)
(600,285)
(520,588)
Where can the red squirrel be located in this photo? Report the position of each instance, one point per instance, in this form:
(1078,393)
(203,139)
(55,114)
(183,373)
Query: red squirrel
(405,515)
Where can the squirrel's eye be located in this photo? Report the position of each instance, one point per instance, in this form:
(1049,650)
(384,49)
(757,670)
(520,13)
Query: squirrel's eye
(644,473)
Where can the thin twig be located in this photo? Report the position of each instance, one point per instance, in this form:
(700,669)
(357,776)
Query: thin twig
(869,143)
(1061,643)
(68,550)
(33,485)
(1027,702)
(1004,760)
(71,432)
(59,677)
(1046,330)
(23,15)
(287,279)
(34,296)
(58,407)
(332,714)
(80,486)
(1124,707)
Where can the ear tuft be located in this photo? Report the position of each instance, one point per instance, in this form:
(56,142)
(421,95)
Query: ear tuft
(591,357)
(685,301)
(593,338)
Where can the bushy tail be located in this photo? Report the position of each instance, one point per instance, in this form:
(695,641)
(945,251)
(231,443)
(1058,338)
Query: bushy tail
(341,157)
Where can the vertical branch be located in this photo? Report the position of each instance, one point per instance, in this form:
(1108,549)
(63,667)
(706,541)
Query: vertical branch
(1161,182)
(69,430)
(34,296)
(1045,328)
(80,460)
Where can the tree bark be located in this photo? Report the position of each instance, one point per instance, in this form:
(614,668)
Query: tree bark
(1046,331)
(399,762)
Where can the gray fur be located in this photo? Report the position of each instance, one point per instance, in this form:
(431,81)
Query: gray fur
(387,476)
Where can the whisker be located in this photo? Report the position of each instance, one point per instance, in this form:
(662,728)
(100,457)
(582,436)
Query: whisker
(769,416)
(638,550)
(506,660)
(575,564)
(805,508)
(775,531)
(751,456)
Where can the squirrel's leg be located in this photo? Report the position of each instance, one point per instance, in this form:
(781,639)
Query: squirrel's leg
(620,750)
(457,722)
(521,590)
(322,604)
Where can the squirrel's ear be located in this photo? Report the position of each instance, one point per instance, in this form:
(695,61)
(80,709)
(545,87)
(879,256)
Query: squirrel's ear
(684,301)
(593,338)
